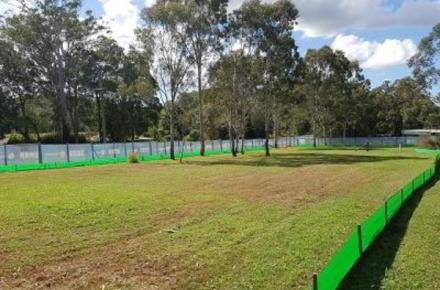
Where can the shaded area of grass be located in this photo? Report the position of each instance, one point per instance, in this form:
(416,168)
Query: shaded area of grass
(372,269)
(305,158)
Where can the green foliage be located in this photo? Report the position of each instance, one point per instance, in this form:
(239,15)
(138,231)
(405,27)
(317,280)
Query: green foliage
(425,63)
(15,138)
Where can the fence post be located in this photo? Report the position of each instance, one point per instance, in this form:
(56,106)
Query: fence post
(132,146)
(401,197)
(150,148)
(359,232)
(386,212)
(114,150)
(125,149)
(315,281)
(93,151)
(6,154)
(67,152)
(40,154)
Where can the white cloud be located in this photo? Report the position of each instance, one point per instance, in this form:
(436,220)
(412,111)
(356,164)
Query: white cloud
(122,17)
(328,18)
(373,54)
(149,3)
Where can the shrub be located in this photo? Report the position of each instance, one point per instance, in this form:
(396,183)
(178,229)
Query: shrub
(428,142)
(132,158)
(15,138)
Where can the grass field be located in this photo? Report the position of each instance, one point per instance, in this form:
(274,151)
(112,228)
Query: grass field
(406,256)
(209,223)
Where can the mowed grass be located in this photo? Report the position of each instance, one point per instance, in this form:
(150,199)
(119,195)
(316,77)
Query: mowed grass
(407,255)
(208,223)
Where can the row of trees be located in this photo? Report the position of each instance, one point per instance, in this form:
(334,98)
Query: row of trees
(196,72)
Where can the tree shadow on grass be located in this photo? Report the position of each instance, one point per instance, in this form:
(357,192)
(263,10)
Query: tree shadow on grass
(299,159)
(370,270)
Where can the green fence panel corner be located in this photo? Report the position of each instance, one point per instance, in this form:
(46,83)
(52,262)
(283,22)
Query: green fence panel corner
(336,269)
(359,240)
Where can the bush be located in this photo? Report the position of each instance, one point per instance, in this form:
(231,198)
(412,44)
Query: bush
(132,158)
(15,138)
(428,142)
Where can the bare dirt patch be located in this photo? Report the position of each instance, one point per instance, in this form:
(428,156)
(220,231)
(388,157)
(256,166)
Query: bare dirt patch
(111,267)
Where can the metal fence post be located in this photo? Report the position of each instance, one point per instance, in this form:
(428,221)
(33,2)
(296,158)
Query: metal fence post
(40,154)
(125,149)
(386,212)
(150,148)
(359,232)
(93,151)
(68,152)
(401,197)
(5,151)
(114,150)
(315,281)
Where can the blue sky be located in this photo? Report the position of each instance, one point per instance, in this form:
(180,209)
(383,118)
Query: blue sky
(381,34)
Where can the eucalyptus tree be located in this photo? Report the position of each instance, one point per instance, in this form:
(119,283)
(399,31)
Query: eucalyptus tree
(8,113)
(44,34)
(426,63)
(17,76)
(265,31)
(106,61)
(201,21)
(227,78)
(327,83)
(170,68)
(136,89)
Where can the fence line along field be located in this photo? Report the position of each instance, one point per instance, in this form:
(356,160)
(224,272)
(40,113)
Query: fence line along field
(212,222)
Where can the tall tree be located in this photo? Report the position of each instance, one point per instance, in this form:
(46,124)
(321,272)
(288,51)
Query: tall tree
(328,76)
(266,31)
(106,62)
(170,68)
(201,20)
(44,34)
(17,76)
(136,87)
(228,77)
(426,63)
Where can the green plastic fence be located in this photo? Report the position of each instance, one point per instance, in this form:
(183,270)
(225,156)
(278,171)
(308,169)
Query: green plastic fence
(103,161)
(364,235)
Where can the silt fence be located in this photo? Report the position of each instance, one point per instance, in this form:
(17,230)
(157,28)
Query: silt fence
(365,233)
